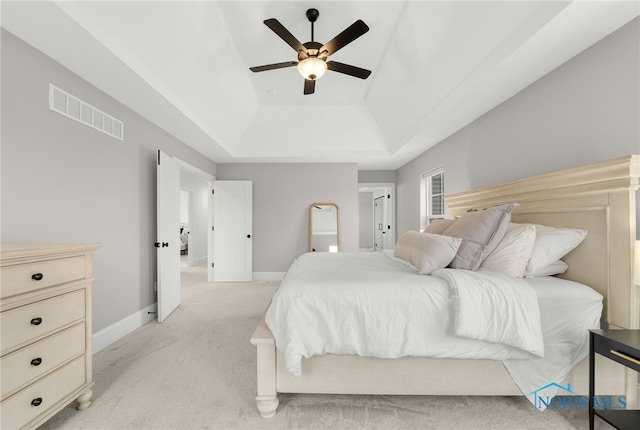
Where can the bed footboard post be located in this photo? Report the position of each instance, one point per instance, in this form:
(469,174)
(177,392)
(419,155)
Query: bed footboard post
(267,396)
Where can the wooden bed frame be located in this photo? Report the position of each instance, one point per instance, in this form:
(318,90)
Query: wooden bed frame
(599,197)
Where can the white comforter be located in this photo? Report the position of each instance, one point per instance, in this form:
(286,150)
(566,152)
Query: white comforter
(371,304)
(495,308)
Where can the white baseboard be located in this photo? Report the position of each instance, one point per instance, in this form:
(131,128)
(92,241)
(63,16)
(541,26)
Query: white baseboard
(268,276)
(105,337)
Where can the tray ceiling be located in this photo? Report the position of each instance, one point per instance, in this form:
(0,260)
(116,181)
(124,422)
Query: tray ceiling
(437,66)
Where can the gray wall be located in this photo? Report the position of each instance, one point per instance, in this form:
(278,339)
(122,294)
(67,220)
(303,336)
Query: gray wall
(377,176)
(365,202)
(282,194)
(65,182)
(585,111)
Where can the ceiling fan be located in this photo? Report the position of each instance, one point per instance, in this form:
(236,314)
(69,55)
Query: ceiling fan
(312,56)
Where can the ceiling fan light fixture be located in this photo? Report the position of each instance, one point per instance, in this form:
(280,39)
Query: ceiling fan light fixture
(312,56)
(312,68)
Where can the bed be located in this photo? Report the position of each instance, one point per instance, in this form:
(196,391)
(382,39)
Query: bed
(599,198)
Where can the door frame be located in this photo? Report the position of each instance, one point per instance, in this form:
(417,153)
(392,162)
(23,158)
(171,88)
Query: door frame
(389,189)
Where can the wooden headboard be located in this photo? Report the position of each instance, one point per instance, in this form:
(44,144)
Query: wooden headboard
(598,197)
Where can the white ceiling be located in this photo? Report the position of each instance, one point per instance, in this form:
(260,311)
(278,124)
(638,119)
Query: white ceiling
(437,66)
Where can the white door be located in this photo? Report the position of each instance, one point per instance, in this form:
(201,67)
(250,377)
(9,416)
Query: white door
(232,231)
(168,235)
(378,224)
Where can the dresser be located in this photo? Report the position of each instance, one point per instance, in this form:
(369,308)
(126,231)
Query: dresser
(45,328)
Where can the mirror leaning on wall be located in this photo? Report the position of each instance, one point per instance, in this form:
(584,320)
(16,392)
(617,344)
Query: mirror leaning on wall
(324,227)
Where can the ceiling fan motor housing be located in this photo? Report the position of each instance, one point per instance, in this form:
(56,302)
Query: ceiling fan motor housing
(312,15)
(313,50)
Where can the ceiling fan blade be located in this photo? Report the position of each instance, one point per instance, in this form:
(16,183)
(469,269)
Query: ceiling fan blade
(350,34)
(348,69)
(309,86)
(285,35)
(273,66)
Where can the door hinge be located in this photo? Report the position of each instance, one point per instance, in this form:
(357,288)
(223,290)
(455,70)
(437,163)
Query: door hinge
(213,191)
(388,196)
(213,228)
(212,265)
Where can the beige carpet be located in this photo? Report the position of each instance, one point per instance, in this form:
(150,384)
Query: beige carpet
(197,371)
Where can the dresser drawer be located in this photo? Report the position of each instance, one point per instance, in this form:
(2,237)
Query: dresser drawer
(24,278)
(20,325)
(29,363)
(18,409)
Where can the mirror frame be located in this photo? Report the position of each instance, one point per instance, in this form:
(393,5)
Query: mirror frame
(311,223)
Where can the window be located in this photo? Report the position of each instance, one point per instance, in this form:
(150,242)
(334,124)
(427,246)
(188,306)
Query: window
(431,196)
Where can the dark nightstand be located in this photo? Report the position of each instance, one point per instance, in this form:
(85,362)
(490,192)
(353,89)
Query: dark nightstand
(621,346)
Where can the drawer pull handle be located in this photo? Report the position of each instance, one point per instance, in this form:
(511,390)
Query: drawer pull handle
(37,276)
(36,361)
(625,356)
(36,321)
(36,402)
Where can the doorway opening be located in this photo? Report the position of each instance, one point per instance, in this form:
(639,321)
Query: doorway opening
(194,218)
(377,216)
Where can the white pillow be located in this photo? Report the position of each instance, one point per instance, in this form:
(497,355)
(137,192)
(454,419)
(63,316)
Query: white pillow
(513,252)
(426,251)
(552,244)
(554,268)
